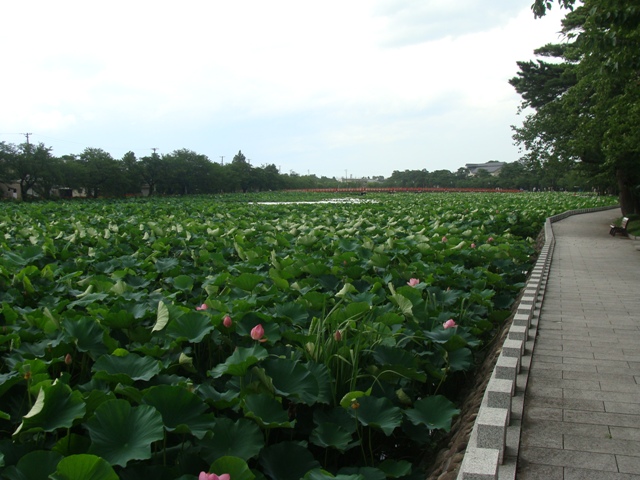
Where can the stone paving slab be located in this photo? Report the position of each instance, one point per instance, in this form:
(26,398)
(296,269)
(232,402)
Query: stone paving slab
(581,416)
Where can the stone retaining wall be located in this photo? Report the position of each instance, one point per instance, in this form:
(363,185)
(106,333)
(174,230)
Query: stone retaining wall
(492,451)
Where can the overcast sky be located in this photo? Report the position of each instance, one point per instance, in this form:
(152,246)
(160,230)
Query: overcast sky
(358,86)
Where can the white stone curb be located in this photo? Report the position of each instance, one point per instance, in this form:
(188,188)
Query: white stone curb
(492,451)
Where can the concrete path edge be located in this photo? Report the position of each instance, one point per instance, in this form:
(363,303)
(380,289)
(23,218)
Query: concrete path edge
(492,450)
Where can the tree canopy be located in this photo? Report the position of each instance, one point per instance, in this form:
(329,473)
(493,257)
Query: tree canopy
(586,98)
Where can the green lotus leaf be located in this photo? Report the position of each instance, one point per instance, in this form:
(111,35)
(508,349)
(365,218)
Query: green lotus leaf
(183,282)
(338,416)
(27,255)
(350,398)
(404,304)
(34,465)
(348,245)
(277,280)
(307,240)
(247,281)
(121,433)
(346,289)
(446,297)
(295,312)
(293,380)
(181,410)
(192,327)
(236,467)
(395,468)
(56,407)
(88,299)
(436,412)
(380,260)
(127,369)
(164,265)
(118,319)
(287,461)
(397,361)
(241,438)
(334,436)
(87,334)
(8,380)
(84,467)
(315,268)
(162,317)
(319,474)
(378,413)
(219,400)
(266,411)
(369,473)
(240,360)
(72,444)
(324,379)
(440,335)
(460,360)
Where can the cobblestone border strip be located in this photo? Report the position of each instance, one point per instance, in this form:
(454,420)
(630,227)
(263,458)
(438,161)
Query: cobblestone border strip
(492,451)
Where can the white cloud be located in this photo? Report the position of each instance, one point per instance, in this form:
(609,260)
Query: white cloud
(314,85)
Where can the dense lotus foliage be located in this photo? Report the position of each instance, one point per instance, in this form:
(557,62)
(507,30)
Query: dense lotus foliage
(209,336)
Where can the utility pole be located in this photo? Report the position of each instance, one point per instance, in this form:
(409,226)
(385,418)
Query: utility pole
(154,149)
(27,135)
(222,158)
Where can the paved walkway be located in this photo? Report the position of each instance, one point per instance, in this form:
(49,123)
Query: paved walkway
(582,404)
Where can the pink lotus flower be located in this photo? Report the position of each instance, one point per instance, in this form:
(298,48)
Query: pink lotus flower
(490,239)
(473,245)
(449,324)
(257,332)
(444,239)
(202,307)
(226,321)
(68,359)
(413,282)
(213,476)
(337,336)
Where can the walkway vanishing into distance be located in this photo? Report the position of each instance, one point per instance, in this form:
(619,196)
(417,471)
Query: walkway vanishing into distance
(581,418)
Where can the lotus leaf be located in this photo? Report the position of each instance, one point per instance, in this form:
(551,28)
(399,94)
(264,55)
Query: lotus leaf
(240,360)
(37,464)
(293,380)
(267,411)
(334,436)
(435,412)
(121,433)
(191,327)
(56,407)
(378,413)
(324,475)
(127,369)
(84,467)
(181,410)
(287,461)
(240,438)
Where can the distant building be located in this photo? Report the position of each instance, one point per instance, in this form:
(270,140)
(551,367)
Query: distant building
(493,167)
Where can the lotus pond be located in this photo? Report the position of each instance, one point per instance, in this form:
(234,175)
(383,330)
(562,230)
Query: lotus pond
(165,337)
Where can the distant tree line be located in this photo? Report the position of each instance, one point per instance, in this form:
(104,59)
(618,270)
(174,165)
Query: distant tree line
(40,174)
(520,175)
